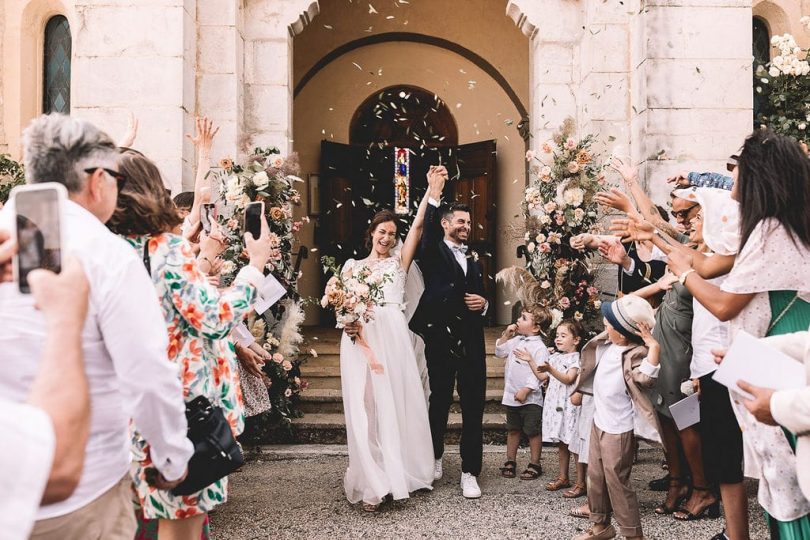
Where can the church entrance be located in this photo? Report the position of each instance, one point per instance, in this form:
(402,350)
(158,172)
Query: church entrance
(395,136)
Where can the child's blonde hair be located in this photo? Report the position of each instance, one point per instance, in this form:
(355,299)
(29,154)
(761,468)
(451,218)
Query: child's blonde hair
(541,316)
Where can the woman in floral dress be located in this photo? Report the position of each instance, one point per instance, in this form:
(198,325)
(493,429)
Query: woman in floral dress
(198,318)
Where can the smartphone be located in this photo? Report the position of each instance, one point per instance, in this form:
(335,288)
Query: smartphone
(254,212)
(207,215)
(38,229)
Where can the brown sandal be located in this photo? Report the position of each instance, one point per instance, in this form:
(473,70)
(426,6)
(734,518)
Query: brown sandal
(557,484)
(371,508)
(532,472)
(575,492)
(509,469)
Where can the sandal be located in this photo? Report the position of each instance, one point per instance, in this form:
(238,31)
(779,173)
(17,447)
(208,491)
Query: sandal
(557,484)
(580,513)
(663,509)
(509,469)
(575,492)
(371,508)
(711,511)
(531,472)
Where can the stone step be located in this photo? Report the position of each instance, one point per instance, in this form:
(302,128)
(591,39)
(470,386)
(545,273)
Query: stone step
(333,360)
(326,400)
(329,379)
(330,428)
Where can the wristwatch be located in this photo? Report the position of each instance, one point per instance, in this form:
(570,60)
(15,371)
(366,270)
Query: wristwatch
(682,277)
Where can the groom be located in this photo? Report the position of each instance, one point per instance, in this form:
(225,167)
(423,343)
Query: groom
(450,320)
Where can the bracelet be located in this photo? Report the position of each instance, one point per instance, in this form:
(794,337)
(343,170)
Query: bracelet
(682,277)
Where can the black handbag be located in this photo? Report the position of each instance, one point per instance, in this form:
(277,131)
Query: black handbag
(216,452)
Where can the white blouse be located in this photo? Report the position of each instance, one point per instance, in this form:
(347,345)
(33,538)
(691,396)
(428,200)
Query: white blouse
(769,261)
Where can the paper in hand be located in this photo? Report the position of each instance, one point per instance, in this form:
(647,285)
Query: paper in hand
(752,360)
(686,412)
(242,335)
(270,292)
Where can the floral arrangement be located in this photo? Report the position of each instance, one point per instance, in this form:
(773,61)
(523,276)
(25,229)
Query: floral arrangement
(267,176)
(558,204)
(784,84)
(353,298)
(11,175)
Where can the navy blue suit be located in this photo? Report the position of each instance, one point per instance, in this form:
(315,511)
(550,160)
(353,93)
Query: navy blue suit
(454,342)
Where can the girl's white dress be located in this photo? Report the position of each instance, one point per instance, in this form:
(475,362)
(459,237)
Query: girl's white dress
(387,429)
(582,437)
(560,416)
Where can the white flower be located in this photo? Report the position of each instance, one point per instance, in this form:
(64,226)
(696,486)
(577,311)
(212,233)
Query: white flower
(545,171)
(573,196)
(577,316)
(545,284)
(579,214)
(530,247)
(773,71)
(545,220)
(540,238)
(597,304)
(228,267)
(233,188)
(554,238)
(556,317)
(530,155)
(260,180)
(802,126)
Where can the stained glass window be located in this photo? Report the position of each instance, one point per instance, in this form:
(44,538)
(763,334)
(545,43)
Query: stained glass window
(402,180)
(56,80)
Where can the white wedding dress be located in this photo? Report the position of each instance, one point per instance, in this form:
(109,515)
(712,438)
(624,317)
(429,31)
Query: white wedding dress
(387,430)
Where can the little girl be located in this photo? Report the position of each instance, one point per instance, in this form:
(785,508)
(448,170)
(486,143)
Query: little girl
(560,416)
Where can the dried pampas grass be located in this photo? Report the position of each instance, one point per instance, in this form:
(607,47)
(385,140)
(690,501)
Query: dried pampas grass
(523,284)
(290,336)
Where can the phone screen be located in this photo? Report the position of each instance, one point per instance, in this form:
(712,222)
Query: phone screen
(253,216)
(39,241)
(206,217)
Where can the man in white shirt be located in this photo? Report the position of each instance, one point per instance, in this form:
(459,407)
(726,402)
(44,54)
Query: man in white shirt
(124,340)
(46,435)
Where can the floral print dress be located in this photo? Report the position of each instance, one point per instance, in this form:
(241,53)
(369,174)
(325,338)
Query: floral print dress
(199,318)
(560,416)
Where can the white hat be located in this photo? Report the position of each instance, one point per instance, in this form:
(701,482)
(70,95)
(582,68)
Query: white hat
(721,217)
(625,314)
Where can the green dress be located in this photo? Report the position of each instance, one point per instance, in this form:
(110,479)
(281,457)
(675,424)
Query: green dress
(795,319)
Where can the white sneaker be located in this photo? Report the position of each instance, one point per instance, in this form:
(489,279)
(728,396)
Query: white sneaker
(469,486)
(437,470)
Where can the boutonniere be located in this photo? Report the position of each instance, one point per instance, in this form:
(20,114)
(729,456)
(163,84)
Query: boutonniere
(473,255)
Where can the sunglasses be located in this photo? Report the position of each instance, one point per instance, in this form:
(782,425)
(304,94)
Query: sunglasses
(731,164)
(120,178)
(683,214)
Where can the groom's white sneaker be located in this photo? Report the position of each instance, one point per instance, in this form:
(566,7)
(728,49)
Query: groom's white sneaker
(469,486)
(437,470)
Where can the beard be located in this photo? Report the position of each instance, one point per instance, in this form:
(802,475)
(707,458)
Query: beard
(455,235)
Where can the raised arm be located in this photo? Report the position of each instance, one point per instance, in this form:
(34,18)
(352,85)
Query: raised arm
(202,139)
(437,176)
(645,205)
(432,232)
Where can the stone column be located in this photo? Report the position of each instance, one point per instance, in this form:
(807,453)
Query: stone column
(695,99)
(269,28)
(221,74)
(139,56)
(553,61)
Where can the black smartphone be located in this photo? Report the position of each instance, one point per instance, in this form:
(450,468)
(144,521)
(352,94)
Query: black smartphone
(207,215)
(253,215)
(38,230)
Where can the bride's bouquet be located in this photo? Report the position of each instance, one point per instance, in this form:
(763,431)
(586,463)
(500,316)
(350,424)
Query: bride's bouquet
(352,298)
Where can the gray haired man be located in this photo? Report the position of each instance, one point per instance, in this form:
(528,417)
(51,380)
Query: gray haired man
(124,340)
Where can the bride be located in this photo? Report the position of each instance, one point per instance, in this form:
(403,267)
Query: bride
(390,449)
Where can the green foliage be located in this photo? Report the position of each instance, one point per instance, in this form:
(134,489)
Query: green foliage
(11,174)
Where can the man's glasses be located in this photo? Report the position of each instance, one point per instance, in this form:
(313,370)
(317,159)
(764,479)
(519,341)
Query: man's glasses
(120,178)
(683,214)
(731,164)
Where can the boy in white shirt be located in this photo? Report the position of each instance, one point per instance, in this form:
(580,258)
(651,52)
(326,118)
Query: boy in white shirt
(522,395)
(616,366)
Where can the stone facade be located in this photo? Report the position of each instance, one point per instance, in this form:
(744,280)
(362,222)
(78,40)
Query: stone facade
(666,81)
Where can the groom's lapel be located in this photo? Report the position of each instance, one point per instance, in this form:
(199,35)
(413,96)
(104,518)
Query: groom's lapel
(451,259)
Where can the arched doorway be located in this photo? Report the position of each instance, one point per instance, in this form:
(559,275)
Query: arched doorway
(395,135)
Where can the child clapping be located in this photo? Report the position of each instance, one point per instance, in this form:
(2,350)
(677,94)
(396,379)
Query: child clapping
(522,342)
